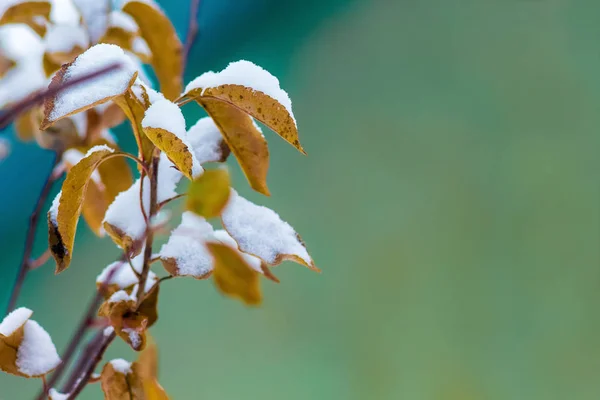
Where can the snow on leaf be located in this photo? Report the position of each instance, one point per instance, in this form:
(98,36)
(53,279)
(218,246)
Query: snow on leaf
(233,276)
(207,142)
(123,276)
(208,194)
(166,48)
(252,89)
(124,220)
(95,16)
(164,125)
(24,12)
(244,139)
(26,349)
(185,253)
(92,92)
(120,381)
(56,395)
(36,355)
(258,230)
(64,222)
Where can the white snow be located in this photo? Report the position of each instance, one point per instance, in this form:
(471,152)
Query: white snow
(73,156)
(246,74)
(53,212)
(21,44)
(14,320)
(95,16)
(119,19)
(166,115)
(100,147)
(153,95)
(186,246)
(254,262)
(140,46)
(125,212)
(64,12)
(80,121)
(134,337)
(36,354)
(108,331)
(168,178)
(120,296)
(259,231)
(64,38)
(56,395)
(121,365)
(205,139)
(98,89)
(124,276)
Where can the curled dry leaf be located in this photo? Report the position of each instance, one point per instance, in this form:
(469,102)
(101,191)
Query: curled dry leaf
(120,381)
(89,94)
(259,231)
(134,108)
(129,321)
(166,48)
(26,349)
(208,194)
(64,214)
(233,276)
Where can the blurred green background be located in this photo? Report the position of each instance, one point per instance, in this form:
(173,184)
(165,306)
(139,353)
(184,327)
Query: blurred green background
(451,196)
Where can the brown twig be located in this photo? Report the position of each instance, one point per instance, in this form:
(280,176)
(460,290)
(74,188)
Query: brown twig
(9,115)
(192,32)
(26,263)
(84,379)
(167,201)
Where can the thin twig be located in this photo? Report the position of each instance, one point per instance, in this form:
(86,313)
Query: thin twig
(193,28)
(10,114)
(41,260)
(84,379)
(167,201)
(30,236)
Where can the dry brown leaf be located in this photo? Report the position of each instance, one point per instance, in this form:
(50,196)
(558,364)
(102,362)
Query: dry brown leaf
(253,102)
(166,48)
(243,138)
(118,385)
(53,61)
(173,147)
(60,136)
(27,124)
(208,194)
(25,12)
(62,236)
(233,276)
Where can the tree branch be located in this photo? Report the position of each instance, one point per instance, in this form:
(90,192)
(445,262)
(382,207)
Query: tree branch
(26,262)
(192,32)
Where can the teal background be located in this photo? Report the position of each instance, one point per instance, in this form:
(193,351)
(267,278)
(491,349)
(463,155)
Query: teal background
(450,194)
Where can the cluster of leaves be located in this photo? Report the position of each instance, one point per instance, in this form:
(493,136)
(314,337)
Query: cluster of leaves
(100,186)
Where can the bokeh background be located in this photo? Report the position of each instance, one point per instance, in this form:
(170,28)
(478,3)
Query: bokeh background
(451,195)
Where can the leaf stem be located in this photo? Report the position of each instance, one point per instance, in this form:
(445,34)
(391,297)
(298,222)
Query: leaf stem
(26,263)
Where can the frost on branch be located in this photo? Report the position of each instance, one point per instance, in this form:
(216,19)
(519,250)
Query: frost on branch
(259,231)
(93,92)
(26,349)
(185,254)
(164,125)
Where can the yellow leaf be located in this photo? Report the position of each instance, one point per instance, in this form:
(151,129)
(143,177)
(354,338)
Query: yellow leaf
(25,12)
(5,64)
(64,224)
(233,276)
(148,371)
(166,48)
(27,124)
(208,194)
(121,382)
(9,346)
(244,139)
(173,147)
(53,61)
